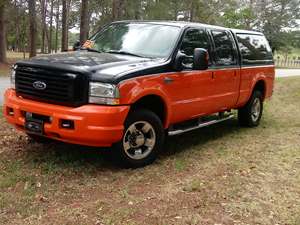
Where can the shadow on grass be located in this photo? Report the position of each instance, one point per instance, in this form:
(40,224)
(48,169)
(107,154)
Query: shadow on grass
(199,137)
(57,156)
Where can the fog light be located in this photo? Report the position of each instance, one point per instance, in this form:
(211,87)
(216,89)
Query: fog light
(28,115)
(67,124)
(10,111)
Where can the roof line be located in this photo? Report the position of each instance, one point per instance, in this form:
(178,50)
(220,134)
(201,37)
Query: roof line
(186,23)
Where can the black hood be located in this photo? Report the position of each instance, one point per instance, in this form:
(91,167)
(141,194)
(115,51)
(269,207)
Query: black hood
(102,67)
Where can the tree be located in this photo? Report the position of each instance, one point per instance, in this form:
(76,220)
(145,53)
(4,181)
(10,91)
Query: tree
(2,33)
(84,21)
(276,16)
(64,38)
(118,9)
(44,25)
(32,28)
(51,27)
(57,25)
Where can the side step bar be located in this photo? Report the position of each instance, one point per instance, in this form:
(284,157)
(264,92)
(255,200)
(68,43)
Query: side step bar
(200,125)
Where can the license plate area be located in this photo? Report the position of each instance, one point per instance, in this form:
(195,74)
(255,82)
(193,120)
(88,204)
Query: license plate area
(34,126)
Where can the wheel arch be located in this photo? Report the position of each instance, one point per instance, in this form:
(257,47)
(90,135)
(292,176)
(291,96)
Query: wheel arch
(154,103)
(261,86)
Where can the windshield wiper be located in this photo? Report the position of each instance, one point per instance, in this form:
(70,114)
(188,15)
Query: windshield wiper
(91,50)
(124,53)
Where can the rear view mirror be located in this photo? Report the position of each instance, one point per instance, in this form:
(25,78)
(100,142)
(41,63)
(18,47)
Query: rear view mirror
(200,59)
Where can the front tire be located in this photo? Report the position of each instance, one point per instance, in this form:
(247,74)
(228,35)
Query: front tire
(250,115)
(142,140)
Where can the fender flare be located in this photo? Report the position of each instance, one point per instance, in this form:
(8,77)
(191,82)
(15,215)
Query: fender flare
(155,92)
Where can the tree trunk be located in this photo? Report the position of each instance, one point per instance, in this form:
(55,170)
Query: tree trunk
(32,28)
(117,9)
(64,38)
(2,34)
(17,23)
(84,21)
(51,27)
(137,10)
(192,11)
(43,15)
(57,26)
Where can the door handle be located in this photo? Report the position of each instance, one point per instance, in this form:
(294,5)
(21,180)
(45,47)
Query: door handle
(168,80)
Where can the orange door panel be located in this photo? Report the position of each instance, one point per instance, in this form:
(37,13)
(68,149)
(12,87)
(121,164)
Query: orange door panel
(190,94)
(226,87)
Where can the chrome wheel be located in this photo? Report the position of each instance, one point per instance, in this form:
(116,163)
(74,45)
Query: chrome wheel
(256,109)
(139,140)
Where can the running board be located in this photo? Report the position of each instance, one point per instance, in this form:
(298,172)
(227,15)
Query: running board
(200,125)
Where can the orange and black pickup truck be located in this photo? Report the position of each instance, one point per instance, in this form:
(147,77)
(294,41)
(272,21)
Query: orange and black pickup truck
(135,82)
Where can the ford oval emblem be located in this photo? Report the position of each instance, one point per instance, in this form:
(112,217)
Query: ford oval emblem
(39,85)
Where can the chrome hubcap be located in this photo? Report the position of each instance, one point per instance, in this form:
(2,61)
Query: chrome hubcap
(139,140)
(255,110)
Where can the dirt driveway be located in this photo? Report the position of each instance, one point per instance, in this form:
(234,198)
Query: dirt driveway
(223,174)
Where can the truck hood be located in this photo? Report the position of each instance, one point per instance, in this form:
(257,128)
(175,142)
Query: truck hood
(103,67)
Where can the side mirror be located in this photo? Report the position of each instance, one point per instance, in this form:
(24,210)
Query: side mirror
(200,61)
(76,45)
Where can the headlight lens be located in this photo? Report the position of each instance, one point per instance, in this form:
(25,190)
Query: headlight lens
(13,77)
(101,93)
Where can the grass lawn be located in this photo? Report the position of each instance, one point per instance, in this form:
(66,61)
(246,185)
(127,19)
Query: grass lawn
(222,174)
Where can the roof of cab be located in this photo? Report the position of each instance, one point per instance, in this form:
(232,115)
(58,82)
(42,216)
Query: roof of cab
(183,24)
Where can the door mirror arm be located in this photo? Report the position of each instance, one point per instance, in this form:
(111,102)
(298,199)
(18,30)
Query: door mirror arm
(178,63)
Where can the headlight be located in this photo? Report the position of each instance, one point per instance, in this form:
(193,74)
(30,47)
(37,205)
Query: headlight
(13,77)
(101,93)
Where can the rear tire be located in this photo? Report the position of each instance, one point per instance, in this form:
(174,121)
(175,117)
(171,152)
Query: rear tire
(142,140)
(250,115)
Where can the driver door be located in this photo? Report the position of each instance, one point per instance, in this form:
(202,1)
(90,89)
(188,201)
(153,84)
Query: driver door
(191,90)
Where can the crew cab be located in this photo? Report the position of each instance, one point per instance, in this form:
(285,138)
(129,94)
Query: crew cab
(134,82)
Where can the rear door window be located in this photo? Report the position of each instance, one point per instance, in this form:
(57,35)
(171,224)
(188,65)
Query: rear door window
(254,49)
(225,53)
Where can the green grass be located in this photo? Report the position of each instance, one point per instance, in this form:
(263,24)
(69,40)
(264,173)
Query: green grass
(223,174)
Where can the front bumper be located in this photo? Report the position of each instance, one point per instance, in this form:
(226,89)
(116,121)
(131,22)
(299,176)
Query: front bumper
(94,125)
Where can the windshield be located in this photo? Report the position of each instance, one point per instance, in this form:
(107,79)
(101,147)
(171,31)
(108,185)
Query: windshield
(139,39)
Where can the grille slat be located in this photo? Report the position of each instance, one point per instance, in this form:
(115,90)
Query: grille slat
(25,87)
(61,87)
(29,84)
(46,76)
(28,92)
(31,80)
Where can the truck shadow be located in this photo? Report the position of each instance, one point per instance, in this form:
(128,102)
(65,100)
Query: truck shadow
(199,137)
(59,155)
